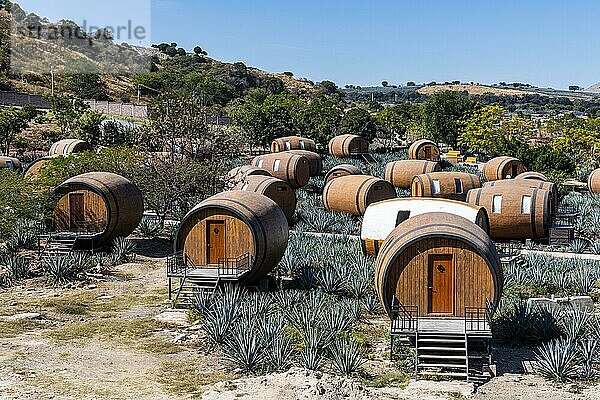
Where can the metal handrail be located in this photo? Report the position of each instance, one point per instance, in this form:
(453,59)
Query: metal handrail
(404,318)
(479,319)
(234,266)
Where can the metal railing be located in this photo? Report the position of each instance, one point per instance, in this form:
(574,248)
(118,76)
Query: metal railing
(479,319)
(234,266)
(404,318)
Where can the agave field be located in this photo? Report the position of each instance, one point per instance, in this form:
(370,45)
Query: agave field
(326,292)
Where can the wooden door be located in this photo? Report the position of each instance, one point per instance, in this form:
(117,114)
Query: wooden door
(216,242)
(76,210)
(441,284)
(515,171)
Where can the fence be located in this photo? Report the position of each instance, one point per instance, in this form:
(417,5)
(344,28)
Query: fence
(21,99)
(119,109)
(140,111)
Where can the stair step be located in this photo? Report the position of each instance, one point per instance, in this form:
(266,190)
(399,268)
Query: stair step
(453,374)
(433,365)
(462,349)
(440,340)
(444,357)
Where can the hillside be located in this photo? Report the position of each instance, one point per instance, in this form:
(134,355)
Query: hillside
(595,88)
(472,90)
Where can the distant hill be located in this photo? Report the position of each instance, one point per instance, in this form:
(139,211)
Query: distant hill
(472,90)
(595,88)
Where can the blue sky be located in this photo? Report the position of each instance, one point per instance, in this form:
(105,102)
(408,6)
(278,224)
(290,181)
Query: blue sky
(543,42)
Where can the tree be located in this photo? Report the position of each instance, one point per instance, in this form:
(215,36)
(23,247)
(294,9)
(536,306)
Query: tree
(66,111)
(443,113)
(272,85)
(490,133)
(321,119)
(12,122)
(411,83)
(394,122)
(385,84)
(358,121)
(200,51)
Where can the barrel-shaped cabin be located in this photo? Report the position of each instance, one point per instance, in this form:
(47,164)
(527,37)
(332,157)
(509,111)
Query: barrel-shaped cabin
(68,146)
(516,213)
(354,193)
(293,143)
(96,208)
(510,184)
(594,182)
(292,168)
(33,170)
(445,185)
(424,149)
(238,174)
(532,175)
(314,161)
(239,233)
(342,170)
(441,266)
(401,173)
(10,163)
(348,146)
(503,168)
(275,189)
(382,218)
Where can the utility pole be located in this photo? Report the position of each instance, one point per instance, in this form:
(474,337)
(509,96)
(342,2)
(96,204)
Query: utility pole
(52,74)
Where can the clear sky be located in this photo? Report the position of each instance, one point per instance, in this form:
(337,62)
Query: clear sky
(544,42)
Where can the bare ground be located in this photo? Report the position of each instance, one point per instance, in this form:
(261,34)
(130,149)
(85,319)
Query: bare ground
(100,341)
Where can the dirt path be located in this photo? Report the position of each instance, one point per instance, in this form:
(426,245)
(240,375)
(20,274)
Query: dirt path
(101,341)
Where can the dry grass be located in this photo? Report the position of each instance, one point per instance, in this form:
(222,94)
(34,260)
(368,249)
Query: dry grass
(184,377)
(11,329)
(471,89)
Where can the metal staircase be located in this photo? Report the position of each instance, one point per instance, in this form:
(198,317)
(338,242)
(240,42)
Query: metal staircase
(442,355)
(56,246)
(185,278)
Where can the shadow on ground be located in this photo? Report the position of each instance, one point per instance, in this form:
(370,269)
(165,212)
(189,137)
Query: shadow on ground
(153,248)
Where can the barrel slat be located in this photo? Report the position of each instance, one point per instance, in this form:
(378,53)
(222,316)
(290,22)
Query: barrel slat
(417,150)
(401,173)
(509,222)
(423,185)
(294,143)
(594,182)
(276,189)
(68,146)
(354,193)
(502,167)
(342,170)
(348,146)
(292,168)
(314,160)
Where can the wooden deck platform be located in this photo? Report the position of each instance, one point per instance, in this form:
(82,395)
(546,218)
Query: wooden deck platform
(450,326)
(213,273)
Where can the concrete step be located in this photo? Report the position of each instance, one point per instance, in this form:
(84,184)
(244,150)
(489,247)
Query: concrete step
(443,357)
(440,365)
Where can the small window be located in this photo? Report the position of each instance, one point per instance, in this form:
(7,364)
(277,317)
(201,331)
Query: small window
(497,204)
(260,163)
(436,186)
(282,188)
(402,216)
(9,165)
(526,205)
(288,146)
(245,187)
(302,144)
(276,166)
(459,186)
